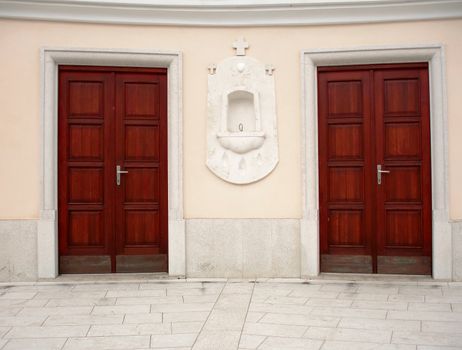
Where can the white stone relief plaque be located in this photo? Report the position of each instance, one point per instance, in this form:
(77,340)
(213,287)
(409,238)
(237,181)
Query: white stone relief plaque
(242,140)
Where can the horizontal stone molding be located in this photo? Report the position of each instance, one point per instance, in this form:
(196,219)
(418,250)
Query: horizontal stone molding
(230,13)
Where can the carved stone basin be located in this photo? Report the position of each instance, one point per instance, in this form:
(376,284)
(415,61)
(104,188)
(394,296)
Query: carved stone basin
(241,142)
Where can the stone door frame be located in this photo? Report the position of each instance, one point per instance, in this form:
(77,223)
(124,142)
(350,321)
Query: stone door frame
(442,253)
(47,230)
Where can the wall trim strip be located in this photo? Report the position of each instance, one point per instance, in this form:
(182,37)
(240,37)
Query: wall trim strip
(232,13)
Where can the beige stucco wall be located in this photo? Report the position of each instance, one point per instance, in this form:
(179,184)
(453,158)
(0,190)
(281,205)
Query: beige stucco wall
(205,195)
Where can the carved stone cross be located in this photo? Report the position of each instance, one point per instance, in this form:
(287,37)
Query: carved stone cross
(240,45)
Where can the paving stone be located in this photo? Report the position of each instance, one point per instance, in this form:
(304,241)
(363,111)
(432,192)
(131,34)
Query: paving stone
(113,343)
(249,341)
(10,311)
(429,307)
(18,295)
(367,323)
(344,312)
(200,298)
(225,320)
(120,309)
(277,330)
(340,345)
(35,344)
(61,310)
(181,307)
(380,305)
(445,299)
(456,307)
(232,302)
(280,308)
(378,289)
(47,332)
(42,288)
(81,302)
(2,342)
(83,319)
(286,300)
(70,295)
(180,285)
(314,294)
(136,293)
(346,334)
(238,288)
(340,287)
(406,298)
(193,291)
(443,327)
(425,347)
(176,348)
(130,329)
(173,340)
(329,302)
(364,296)
(22,320)
(454,291)
(421,290)
(105,286)
(223,340)
(186,327)
(149,300)
(4,330)
(280,343)
(185,316)
(426,338)
(23,302)
(425,316)
(143,318)
(300,320)
(253,317)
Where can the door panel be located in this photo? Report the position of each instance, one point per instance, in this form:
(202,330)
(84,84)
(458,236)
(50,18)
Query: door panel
(369,116)
(85,199)
(112,116)
(345,216)
(141,123)
(404,198)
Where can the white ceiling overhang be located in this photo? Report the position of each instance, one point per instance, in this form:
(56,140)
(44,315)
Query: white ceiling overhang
(230,12)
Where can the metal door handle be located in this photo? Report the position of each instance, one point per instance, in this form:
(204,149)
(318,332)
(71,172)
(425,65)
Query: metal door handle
(118,172)
(380,172)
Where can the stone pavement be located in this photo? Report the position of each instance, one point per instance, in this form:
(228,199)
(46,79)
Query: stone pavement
(327,314)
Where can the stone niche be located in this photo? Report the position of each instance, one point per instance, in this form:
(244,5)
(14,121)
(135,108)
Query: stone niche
(242,144)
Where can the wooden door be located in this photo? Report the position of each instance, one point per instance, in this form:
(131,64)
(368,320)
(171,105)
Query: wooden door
(111,117)
(371,119)
(141,197)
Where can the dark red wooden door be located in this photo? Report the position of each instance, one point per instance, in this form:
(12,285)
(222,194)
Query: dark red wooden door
(112,118)
(374,169)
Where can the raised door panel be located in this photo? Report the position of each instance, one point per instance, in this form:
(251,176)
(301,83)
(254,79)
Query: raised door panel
(344,124)
(404,196)
(142,151)
(84,181)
